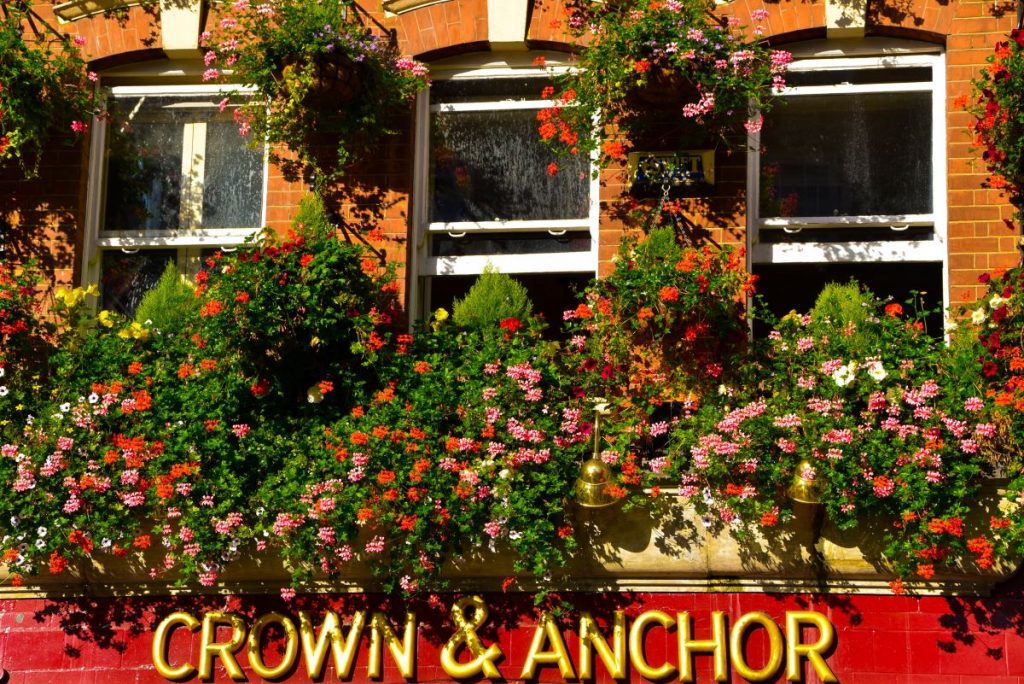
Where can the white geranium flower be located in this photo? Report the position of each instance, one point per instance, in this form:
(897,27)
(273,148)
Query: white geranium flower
(3,391)
(978,316)
(997,301)
(877,371)
(844,375)
(41,532)
(65,407)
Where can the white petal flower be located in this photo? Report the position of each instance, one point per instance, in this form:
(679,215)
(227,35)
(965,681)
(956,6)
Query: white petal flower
(978,316)
(877,371)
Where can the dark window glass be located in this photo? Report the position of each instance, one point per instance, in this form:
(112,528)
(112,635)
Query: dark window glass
(488,89)
(127,278)
(848,155)
(795,287)
(522,243)
(859,76)
(489,166)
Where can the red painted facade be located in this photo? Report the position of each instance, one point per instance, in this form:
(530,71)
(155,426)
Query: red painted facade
(879,639)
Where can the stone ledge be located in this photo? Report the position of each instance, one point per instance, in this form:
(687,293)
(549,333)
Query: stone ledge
(670,551)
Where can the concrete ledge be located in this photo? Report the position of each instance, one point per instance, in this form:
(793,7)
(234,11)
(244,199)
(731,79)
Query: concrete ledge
(666,551)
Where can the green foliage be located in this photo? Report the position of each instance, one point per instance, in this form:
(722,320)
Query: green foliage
(626,48)
(847,306)
(167,306)
(327,86)
(998,107)
(886,432)
(43,87)
(653,340)
(492,298)
(287,415)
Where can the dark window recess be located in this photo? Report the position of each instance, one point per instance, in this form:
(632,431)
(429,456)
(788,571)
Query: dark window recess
(552,294)
(127,278)
(859,76)
(524,243)
(855,234)
(795,287)
(488,89)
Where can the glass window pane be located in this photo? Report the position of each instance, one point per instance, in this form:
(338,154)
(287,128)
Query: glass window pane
(488,166)
(233,187)
(488,89)
(127,277)
(147,137)
(848,155)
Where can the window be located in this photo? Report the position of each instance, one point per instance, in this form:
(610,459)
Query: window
(483,195)
(176,183)
(847,176)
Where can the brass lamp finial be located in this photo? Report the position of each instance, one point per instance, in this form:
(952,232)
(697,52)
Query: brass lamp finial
(807,487)
(593,487)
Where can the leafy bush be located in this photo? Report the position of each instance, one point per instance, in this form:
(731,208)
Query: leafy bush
(288,415)
(847,306)
(167,306)
(43,87)
(492,298)
(998,109)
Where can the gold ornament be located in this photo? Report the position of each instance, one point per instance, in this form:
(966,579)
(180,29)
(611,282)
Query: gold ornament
(593,487)
(483,659)
(807,487)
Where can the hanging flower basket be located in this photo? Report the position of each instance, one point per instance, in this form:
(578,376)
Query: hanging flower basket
(331,75)
(336,81)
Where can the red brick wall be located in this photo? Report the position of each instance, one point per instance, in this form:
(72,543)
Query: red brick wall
(978,238)
(879,639)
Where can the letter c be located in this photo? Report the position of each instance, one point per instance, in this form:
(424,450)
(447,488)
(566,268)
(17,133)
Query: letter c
(160,639)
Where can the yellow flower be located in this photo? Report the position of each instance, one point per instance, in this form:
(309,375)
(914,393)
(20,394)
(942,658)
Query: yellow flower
(105,319)
(72,298)
(135,331)
(441,315)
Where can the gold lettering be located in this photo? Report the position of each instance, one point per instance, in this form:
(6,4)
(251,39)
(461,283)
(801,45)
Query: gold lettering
(715,645)
(210,648)
(483,659)
(314,649)
(547,630)
(404,652)
(795,649)
(291,646)
(736,643)
(636,644)
(614,660)
(160,644)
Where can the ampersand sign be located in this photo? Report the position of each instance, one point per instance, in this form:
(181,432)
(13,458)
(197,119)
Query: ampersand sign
(483,659)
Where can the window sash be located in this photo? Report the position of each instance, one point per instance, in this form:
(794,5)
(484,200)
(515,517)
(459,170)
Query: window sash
(857,251)
(190,206)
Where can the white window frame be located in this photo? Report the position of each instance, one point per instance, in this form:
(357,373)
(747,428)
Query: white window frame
(867,54)
(422,265)
(189,241)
